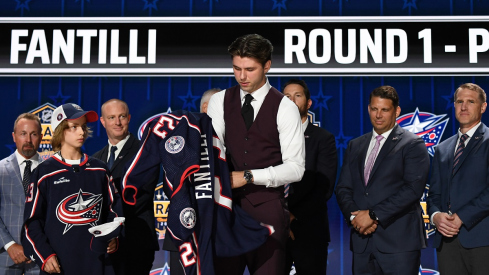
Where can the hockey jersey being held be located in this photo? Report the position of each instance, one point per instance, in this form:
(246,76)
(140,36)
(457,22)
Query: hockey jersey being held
(202,220)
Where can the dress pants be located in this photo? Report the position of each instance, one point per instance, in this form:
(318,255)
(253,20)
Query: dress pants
(454,259)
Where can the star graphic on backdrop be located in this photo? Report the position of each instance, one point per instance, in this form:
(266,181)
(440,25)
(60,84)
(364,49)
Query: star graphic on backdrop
(280,4)
(341,140)
(409,3)
(59,98)
(211,0)
(150,4)
(449,99)
(189,101)
(82,0)
(321,100)
(415,126)
(22,4)
(12,147)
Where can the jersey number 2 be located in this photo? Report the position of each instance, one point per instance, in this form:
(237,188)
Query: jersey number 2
(186,251)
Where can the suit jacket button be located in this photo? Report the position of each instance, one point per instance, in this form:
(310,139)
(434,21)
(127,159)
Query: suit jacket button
(246,152)
(366,194)
(245,164)
(246,138)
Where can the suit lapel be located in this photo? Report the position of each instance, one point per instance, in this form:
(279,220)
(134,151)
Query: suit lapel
(363,155)
(391,142)
(14,169)
(123,152)
(308,132)
(473,142)
(105,153)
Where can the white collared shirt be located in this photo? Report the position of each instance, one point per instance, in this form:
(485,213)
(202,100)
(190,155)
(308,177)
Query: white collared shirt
(374,140)
(304,125)
(21,163)
(119,146)
(469,133)
(290,131)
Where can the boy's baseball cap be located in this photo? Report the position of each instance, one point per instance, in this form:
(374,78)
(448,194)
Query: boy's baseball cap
(102,234)
(70,111)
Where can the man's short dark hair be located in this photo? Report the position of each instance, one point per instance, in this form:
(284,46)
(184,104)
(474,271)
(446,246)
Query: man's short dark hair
(387,92)
(473,87)
(252,46)
(302,83)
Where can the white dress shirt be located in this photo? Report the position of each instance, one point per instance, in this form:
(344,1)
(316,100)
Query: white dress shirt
(374,140)
(119,146)
(291,136)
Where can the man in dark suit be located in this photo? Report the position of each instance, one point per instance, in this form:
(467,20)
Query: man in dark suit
(382,179)
(13,175)
(137,251)
(458,199)
(307,246)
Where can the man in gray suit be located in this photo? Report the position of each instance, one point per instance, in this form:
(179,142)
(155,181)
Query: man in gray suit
(14,190)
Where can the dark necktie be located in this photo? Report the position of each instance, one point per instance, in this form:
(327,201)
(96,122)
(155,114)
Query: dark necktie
(247,111)
(27,175)
(112,156)
(460,150)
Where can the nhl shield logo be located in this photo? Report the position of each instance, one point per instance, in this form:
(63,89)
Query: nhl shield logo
(188,218)
(45,112)
(79,209)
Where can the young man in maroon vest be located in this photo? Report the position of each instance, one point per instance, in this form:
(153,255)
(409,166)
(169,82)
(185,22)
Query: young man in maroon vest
(264,141)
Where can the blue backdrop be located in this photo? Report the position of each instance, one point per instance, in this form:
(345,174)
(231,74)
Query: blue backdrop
(339,103)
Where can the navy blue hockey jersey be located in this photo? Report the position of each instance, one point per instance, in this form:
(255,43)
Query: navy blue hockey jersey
(202,220)
(63,202)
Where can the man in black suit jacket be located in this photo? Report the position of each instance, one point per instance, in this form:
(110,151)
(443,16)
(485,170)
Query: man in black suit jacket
(307,246)
(383,177)
(136,255)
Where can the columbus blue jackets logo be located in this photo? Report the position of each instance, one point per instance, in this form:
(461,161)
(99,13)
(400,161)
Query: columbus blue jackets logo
(428,126)
(174,144)
(79,209)
(188,217)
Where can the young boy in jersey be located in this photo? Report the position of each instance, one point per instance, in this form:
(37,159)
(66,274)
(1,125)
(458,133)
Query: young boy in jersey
(69,193)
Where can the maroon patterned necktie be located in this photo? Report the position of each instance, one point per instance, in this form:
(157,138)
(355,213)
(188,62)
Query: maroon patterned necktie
(460,150)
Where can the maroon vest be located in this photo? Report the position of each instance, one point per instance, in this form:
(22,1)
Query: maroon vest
(258,147)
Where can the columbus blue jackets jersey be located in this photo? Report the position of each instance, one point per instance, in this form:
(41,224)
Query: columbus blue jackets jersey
(202,220)
(63,202)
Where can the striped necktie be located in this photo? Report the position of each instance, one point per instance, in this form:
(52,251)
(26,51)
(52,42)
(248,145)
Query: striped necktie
(371,158)
(460,150)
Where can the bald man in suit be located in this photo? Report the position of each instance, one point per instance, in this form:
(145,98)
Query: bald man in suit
(140,242)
